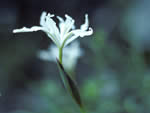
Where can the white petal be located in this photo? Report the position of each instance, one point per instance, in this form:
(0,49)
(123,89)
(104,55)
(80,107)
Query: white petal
(61,25)
(86,24)
(85,33)
(42,19)
(77,33)
(37,28)
(60,19)
(54,39)
(66,27)
(50,15)
(82,33)
(71,39)
(52,29)
(24,29)
(51,26)
(69,23)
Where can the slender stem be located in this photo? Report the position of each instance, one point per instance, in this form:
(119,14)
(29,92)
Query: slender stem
(60,54)
(61,48)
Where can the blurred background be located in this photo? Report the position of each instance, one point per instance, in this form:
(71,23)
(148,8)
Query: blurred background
(113,74)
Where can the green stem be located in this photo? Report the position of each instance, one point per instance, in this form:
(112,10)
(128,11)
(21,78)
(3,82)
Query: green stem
(61,48)
(60,54)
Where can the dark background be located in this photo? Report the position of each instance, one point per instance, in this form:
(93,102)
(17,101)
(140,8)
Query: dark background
(113,75)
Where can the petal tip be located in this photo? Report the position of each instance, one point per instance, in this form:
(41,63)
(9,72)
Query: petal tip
(60,19)
(14,31)
(44,13)
(50,15)
(86,15)
(68,17)
(91,30)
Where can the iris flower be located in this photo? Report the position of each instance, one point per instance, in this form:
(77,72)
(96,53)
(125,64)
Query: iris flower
(62,35)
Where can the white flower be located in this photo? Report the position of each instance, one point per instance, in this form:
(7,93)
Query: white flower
(70,55)
(64,34)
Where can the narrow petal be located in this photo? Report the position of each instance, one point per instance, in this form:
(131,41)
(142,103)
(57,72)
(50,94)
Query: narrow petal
(60,19)
(51,15)
(54,39)
(82,33)
(51,26)
(69,23)
(78,33)
(71,39)
(51,29)
(61,25)
(42,19)
(24,29)
(37,28)
(85,26)
(65,26)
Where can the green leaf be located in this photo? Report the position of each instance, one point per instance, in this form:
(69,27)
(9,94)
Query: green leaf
(70,85)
